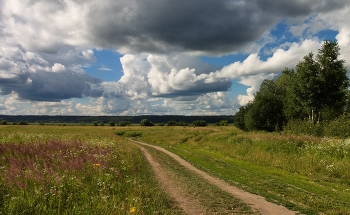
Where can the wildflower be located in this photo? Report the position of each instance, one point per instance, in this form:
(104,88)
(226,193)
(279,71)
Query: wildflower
(97,165)
(132,209)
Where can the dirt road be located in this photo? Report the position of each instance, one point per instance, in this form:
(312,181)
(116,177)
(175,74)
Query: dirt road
(189,206)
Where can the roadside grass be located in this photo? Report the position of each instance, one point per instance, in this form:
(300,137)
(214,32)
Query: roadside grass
(304,173)
(75,170)
(211,198)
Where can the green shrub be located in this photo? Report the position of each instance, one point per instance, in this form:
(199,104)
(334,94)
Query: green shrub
(120,133)
(339,127)
(133,134)
(146,122)
(171,123)
(304,127)
(112,123)
(124,123)
(3,122)
(22,122)
(199,123)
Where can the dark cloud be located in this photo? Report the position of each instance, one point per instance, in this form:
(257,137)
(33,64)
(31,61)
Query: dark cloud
(214,27)
(49,86)
(198,89)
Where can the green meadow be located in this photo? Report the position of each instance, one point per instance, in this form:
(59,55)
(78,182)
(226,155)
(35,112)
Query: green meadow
(304,173)
(96,170)
(75,170)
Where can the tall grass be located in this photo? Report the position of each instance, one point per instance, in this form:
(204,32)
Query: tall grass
(80,170)
(312,174)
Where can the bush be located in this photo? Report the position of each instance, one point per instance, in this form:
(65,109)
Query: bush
(199,123)
(304,127)
(223,123)
(102,124)
(112,123)
(146,122)
(120,133)
(95,123)
(124,123)
(3,122)
(181,123)
(339,127)
(22,122)
(171,123)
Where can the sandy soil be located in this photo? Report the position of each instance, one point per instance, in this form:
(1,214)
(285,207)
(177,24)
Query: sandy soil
(190,206)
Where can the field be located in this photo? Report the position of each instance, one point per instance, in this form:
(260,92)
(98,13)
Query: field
(95,170)
(75,170)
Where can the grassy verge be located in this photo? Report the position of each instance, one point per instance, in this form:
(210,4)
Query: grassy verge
(212,199)
(303,173)
(75,170)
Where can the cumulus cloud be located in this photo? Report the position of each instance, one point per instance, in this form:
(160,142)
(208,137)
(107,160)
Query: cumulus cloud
(42,60)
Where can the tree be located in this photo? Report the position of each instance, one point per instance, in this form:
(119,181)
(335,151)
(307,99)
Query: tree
(238,118)
(266,111)
(146,122)
(319,85)
(199,123)
(112,123)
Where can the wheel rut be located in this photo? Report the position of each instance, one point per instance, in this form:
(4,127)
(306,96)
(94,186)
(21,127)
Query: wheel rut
(189,206)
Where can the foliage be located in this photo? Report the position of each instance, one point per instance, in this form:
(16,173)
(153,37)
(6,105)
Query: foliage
(239,121)
(339,127)
(171,123)
(222,123)
(124,123)
(175,123)
(22,122)
(315,91)
(304,127)
(111,123)
(146,122)
(95,123)
(266,111)
(199,123)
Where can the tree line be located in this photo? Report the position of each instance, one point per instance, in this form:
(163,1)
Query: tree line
(316,91)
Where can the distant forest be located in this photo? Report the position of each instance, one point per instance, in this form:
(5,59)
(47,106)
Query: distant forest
(106,119)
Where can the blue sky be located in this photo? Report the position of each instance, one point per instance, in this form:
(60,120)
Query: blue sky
(119,57)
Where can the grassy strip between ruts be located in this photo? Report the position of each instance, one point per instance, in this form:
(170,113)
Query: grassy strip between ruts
(306,174)
(52,170)
(211,198)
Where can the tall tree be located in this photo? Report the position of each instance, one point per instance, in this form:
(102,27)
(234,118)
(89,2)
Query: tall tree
(266,111)
(319,85)
(238,118)
(334,81)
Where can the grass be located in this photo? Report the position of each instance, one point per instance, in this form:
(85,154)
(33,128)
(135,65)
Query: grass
(304,173)
(75,170)
(94,170)
(211,198)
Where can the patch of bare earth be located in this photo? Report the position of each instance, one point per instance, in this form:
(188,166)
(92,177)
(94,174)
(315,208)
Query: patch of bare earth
(190,205)
(184,201)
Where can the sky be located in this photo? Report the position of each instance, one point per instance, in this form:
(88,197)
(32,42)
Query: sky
(155,57)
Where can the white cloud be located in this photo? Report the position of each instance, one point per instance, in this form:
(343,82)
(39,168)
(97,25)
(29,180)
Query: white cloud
(46,44)
(57,67)
(253,82)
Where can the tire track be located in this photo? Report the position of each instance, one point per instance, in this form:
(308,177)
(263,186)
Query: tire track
(256,202)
